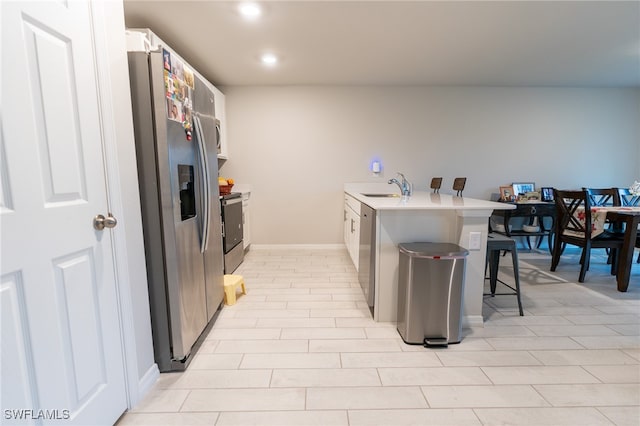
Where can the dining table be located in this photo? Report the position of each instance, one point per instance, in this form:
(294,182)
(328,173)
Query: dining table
(623,219)
(627,218)
(630,216)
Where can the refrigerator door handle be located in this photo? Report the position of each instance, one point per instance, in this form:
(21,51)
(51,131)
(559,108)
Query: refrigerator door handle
(218,141)
(208,180)
(205,182)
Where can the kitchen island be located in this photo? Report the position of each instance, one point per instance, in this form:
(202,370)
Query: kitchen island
(422,217)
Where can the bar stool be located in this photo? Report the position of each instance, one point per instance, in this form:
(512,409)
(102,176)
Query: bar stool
(495,244)
(436,182)
(458,185)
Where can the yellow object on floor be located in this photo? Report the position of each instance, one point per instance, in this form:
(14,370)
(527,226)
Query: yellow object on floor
(231,283)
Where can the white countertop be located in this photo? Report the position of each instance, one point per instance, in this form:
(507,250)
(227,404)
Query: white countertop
(243,188)
(420,200)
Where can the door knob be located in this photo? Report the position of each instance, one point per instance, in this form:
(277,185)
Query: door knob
(100,222)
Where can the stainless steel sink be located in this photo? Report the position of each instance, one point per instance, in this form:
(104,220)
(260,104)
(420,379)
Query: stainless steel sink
(383,195)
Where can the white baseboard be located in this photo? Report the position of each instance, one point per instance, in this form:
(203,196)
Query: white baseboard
(298,247)
(469,321)
(145,384)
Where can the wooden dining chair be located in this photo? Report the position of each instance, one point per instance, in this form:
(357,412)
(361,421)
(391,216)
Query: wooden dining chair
(436,182)
(627,199)
(601,197)
(574,226)
(604,197)
(458,185)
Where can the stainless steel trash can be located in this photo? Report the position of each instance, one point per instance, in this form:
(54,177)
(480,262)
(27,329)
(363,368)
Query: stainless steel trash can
(430,293)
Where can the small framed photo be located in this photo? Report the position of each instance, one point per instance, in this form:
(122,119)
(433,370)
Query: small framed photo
(506,193)
(546,193)
(166,59)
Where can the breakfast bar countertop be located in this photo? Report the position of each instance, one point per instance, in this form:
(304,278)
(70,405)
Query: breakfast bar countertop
(419,200)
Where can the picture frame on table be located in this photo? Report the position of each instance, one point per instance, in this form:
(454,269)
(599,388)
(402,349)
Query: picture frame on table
(506,193)
(546,193)
(523,187)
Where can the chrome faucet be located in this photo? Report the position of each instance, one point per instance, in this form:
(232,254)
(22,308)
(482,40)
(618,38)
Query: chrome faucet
(405,186)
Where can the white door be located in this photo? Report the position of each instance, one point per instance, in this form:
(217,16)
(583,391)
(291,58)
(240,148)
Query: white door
(61,352)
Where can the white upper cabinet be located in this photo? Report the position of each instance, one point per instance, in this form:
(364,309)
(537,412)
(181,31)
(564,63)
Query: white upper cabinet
(221,115)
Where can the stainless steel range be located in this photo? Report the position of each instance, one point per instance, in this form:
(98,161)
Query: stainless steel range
(232,231)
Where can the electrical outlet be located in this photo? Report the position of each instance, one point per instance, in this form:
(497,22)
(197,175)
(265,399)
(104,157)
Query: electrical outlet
(474,240)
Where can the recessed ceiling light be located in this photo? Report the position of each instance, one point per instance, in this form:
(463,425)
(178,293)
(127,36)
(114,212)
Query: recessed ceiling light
(250,10)
(269,59)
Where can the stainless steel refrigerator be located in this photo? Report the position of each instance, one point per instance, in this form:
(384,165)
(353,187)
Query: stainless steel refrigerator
(175,137)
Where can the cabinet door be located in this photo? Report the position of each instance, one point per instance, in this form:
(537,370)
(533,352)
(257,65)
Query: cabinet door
(345,227)
(355,241)
(246,221)
(352,228)
(351,245)
(346,231)
(221,114)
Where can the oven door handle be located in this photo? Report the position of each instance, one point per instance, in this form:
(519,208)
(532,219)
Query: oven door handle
(231,201)
(205,182)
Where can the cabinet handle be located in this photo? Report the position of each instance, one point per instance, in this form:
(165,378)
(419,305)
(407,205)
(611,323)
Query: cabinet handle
(352,230)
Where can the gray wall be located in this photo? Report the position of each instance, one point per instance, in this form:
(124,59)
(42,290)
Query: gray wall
(296,145)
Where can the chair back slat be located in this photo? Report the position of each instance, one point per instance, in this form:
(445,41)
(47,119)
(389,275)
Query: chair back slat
(601,197)
(627,199)
(573,210)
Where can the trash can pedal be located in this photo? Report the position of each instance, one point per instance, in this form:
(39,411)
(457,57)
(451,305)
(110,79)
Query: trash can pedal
(436,342)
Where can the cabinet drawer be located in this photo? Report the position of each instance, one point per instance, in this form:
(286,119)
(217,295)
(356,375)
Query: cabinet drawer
(352,203)
(537,209)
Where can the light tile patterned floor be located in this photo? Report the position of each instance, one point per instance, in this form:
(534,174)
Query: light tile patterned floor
(301,349)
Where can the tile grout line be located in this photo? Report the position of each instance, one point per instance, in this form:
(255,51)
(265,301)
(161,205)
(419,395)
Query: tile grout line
(184,401)
(552,352)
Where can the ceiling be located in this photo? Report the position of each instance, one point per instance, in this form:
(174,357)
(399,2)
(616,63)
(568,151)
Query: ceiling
(504,43)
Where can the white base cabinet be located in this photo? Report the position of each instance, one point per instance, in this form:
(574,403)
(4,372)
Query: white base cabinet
(352,228)
(246,220)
